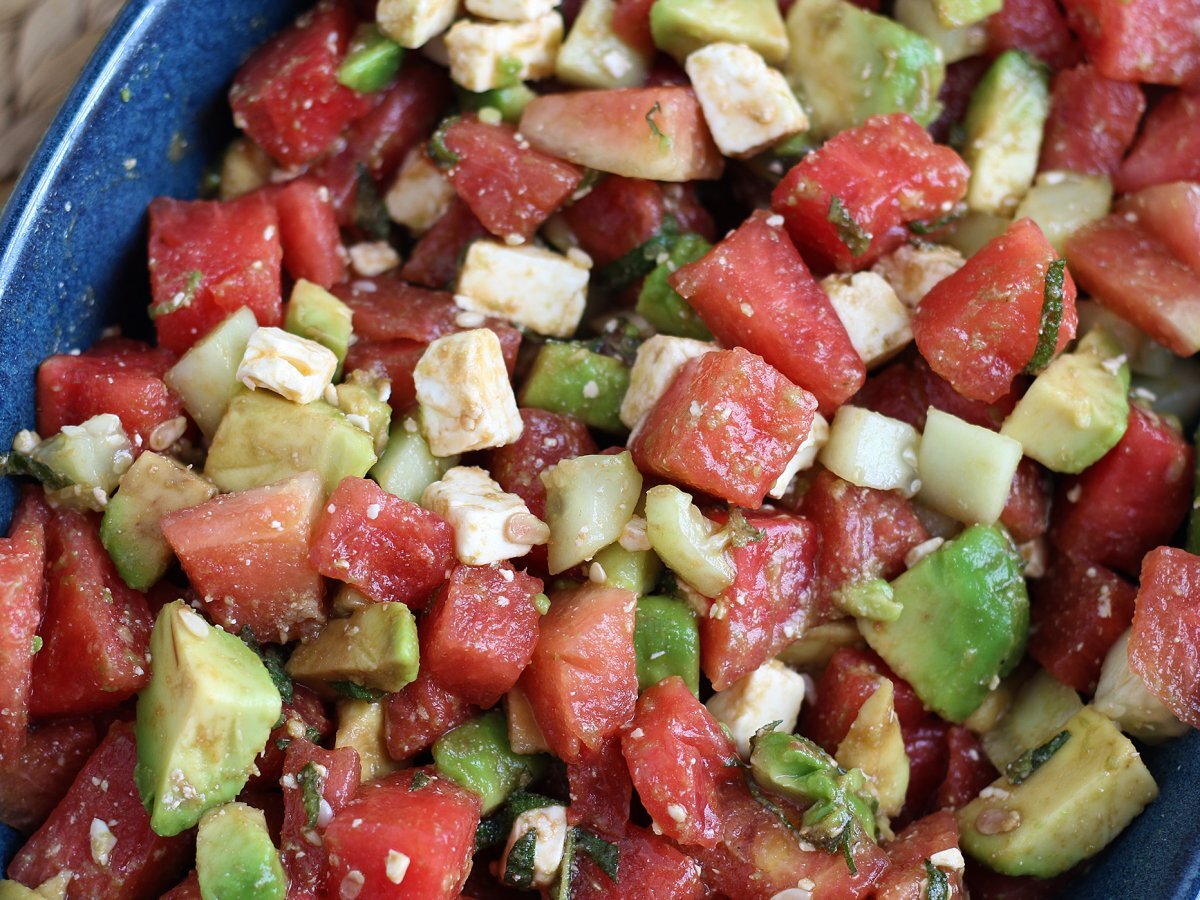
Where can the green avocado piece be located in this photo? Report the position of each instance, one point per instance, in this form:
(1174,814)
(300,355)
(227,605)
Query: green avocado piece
(850,64)
(478,756)
(681,26)
(1077,409)
(154,486)
(595,56)
(265,438)
(314,313)
(509,101)
(408,466)
(1068,809)
(235,858)
(660,305)
(1038,712)
(201,721)
(1004,123)
(205,378)
(666,640)
(956,13)
(569,378)
(363,398)
(963,623)
(376,648)
(630,570)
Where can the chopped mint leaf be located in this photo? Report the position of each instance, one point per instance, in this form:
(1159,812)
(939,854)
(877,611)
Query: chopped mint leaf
(853,235)
(518,868)
(441,154)
(356,691)
(310,782)
(1051,322)
(182,299)
(1031,760)
(605,855)
(370,213)
(272,658)
(938,884)
(419,780)
(664,141)
(23,465)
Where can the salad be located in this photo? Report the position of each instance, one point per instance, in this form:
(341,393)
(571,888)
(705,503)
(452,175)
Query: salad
(631,448)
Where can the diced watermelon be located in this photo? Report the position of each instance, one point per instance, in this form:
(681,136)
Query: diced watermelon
(546,440)
(1093,121)
(308,233)
(852,199)
(303,853)
(430,822)
(96,631)
(139,863)
(1170,213)
(388,548)
(601,791)
(769,603)
(649,867)
(393,360)
(968,772)
(682,201)
(1036,26)
(420,714)
(433,261)
(906,877)
(1130,501)
(631,22)
(926,745)
(480,631)
(978,328)
(287,97)
(22,603)
(511,187)
(906,389)
(246,554)
(753,290)
(209,259)
(677,756)
(304,715)
(1026,515)
(727,426)
(188,889)
(1168,148)
(984,884)
(954,95)
(1166,631)
(1139,40)
(34,779)
(1078,610)
(582,681)
(616,216)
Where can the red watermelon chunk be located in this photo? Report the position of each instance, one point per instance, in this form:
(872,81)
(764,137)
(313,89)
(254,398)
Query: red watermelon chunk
(304,715)
(968,769)
(906,389)
(209,259)
(1139,40)
(309,234)
(188,889)
(388,548)
(420,714)
(104,798)
(34,779)
(1036,26)
(304,856)
(631,22)
(388,309)
(926,744)
(1168,148)
(1093,120)
(433,261)
(728,425)
(616,216)
(1170,213)
(393,360)
(906,877)
(1166,631)
(246,554)
(649,867)
(1026,515)
(601,791)
(546,440)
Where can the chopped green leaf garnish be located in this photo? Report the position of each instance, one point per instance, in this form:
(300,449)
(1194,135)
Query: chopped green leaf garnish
(664,141)
(1031,760)
(846,844)
(283,743)
(605,855)
(371,62)
(1052,314)
(23,465)
(370,213)
(419,780)
(743,534)
(37,643)
(929,226)
(438,151)
(310,782)
(638,262)
(182,299)
(853,235)
(563,888)
(542,603)
(356,691)
(272,658)
(938,884)
(518,867)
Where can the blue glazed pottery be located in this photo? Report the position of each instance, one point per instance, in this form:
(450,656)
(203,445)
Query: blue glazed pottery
(146,116)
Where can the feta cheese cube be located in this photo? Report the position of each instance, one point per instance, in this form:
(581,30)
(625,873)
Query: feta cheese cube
(770,693)
(489,524)
(872,450)
(914,269)
(411,23)
(291,366)
(371,258)
(549,824)
(877,322)
(804,457)
(511,10)
(658,362)
(420,195)
(486,55)
(542,290)
(748,105)
(466,399)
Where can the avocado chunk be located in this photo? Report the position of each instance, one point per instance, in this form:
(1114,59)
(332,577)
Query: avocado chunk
(875,745)
(660,304)
(376,648)
(1038,712)
(595,56)
(316,314)
(154,486)
(201,721)
(589,500)
(14,890)
(956,13)
(955,42)
(477,755)
(849,64)
(630,570)
(363,726)
(80,466)
(691,546)
(963,624)
(1004,123)
(681,26)
(363,397)
(205,378)
(509,101)
(235,858)
(569,378)
(1077,409)
(265,438)
(1067,809)
(666,641)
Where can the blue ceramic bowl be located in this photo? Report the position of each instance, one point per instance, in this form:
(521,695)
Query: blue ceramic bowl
(145,117)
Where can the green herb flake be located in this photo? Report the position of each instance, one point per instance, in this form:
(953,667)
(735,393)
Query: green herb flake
(370,213)
(356,691)
(741,532)
(1052,315)
(438,151)
(938,885)
(605,855)
(853,235)
(929,226)
(419,780)
(664,141)
(1031,760)
(126,94)
(846,845)
(542,603)
(491,832)
(182,299)
(283,743)
(564,887)
(23,465)
(640,261)
(37,643)
(310,781)
(272,659)
(518,867)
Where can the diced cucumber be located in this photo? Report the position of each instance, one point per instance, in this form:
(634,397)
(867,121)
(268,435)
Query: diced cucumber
(589,500)
(477,755)
(81,465)
(1038,712)
(872,450)
(205,378)
(407,466)
(1063,202)
(690,545)
(968,234)
(681,26)
(510,101)
(595,56)
(666,639)
(966,470)
(955,41)
(956,13)
(316,314)
(571,379)
(372,60)
(631,570)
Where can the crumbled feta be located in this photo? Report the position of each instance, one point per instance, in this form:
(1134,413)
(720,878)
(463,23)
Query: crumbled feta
(371,258)
(396,866)
(922,550)
(466,399)
(677,812)
(102,841)
(511,10)
(748,105)
(950,858)
(487,55)
(634,536)
(291,366)
(420,195)
(412,23)
(489,524)
(549,823)
(914,269)
(658,362)
(770,693)
(540,289)
(877,322)
(804,457)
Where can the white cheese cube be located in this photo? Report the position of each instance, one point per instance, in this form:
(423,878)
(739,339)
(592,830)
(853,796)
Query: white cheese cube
(410,23)
(804,457)
(549,823)
(872,450)
(658,362)
(420,195)
(877,322)
(542,290)
(748,105)
(511,10)
(770,693)
(466,399)
(486,55)
(966,471)
(1122,695)
(914,269)
(490,525)
(291,366)
(371,258)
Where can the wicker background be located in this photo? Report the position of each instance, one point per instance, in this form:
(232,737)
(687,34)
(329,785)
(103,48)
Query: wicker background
(43,44)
